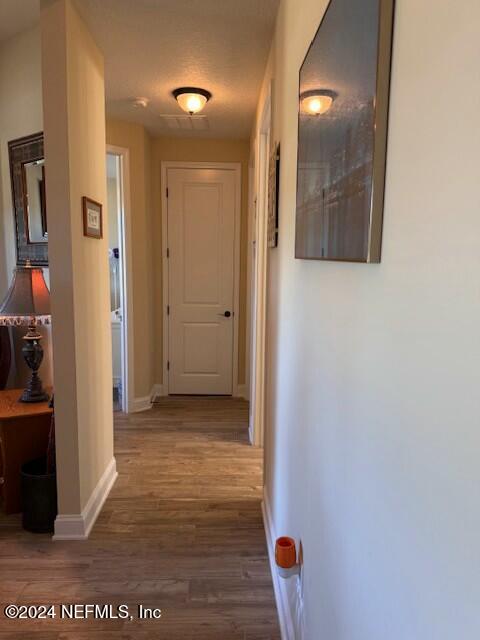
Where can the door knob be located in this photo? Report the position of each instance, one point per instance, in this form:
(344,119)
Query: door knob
(225,314)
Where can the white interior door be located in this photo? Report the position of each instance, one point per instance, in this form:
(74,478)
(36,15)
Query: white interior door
(201,271)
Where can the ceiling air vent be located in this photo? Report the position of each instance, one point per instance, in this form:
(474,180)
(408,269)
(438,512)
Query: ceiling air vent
(184,122)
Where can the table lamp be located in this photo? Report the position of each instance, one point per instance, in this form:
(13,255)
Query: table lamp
(27,303)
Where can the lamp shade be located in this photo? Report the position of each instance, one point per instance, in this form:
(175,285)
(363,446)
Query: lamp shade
(27,298)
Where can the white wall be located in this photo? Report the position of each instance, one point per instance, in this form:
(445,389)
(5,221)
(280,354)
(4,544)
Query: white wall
(373,407)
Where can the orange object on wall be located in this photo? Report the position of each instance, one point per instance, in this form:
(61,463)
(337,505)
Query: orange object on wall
(285,552)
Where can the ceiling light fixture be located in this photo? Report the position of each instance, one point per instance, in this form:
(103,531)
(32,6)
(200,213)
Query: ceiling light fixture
(317,102)
(191,99)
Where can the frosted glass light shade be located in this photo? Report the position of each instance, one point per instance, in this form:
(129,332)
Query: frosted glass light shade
(191,99)
(316,103)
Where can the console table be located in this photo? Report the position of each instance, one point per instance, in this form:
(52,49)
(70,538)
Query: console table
(24,430)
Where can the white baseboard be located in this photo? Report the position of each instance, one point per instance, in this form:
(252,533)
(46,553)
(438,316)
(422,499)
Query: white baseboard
(78,526)
(157,391)
(145,403)
(242,391)
(141,404)
(287,629)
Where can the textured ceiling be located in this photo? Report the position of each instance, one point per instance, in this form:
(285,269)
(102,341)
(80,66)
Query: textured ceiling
(153,46)
(17,16)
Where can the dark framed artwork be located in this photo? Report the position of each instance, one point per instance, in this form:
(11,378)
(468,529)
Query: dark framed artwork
(273,193)
(92,218)
(27,174)
(342,133)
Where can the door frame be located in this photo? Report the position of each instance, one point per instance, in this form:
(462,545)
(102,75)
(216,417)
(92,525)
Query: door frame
(126,273)
(225,166)
(258,342)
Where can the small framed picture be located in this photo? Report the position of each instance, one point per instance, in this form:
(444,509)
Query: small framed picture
(92,218)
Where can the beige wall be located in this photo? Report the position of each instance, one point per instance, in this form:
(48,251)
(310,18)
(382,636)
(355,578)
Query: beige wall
(20,115)
(74,115)
(134,138)
(146,156)
(20,78)
(199,150)
(372,402)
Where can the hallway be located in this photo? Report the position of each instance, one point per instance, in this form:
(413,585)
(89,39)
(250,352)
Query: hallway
(182,531)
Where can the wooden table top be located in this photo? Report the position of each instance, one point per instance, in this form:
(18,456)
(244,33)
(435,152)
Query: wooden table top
(11,408)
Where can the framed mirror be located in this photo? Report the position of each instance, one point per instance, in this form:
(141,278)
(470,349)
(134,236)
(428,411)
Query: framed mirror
(342,133)
(34,183)
(27,172)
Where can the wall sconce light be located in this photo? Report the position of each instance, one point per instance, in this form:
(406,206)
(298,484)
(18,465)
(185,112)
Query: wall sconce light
(191,99)
(317,102)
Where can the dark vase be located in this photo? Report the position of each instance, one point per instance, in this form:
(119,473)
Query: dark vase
(39,497)
(5,356)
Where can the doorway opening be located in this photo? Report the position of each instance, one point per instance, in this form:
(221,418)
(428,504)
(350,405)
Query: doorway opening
(118,258)
(201,267)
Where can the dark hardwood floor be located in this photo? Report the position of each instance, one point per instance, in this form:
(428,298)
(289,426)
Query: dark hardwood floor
(181,531)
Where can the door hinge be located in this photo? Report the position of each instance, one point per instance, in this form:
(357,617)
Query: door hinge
(168,252)
(167,192)
(168,309)
(168,365)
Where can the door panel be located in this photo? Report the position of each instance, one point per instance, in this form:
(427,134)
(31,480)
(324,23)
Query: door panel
(200,348)
(201,242)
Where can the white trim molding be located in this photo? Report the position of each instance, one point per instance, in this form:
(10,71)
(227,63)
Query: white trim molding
(78,526)
(128,357)
(287,629)
(258,344)
(242,391)
(157,391)
(141,404)
(145,403)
